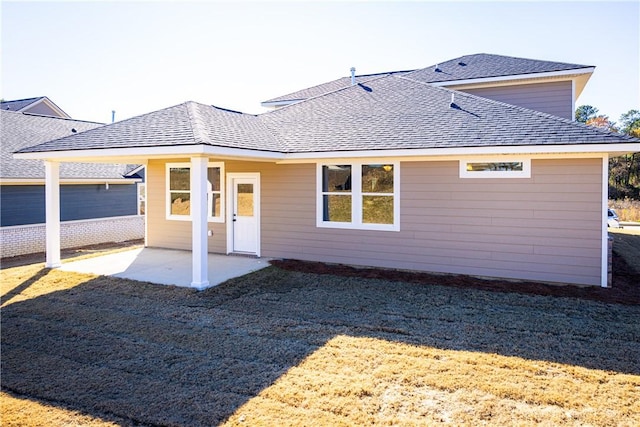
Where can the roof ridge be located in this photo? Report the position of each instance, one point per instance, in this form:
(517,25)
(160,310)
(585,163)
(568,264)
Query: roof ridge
(195,121)
(326,93)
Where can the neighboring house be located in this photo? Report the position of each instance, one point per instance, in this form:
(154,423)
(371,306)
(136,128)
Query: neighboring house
(98,201)
(549,87)
(390,172)
(41,105)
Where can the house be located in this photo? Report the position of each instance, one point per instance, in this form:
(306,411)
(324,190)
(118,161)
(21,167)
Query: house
(391,171)
(99,202)
(546,86)
(40,105)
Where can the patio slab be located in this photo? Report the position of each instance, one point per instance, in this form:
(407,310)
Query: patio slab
(165,266)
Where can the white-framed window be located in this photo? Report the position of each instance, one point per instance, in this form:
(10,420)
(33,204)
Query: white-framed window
(358,195)
(496,168)
(142,198)
(178,177)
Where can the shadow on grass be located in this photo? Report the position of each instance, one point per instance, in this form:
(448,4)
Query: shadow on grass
(169,356)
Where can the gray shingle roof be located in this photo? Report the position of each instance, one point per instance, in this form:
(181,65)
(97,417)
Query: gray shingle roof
(189,123)
(20,130)
(400,113)
(484,65)
(18,104)
(386,113)
(476,66)
(331,86)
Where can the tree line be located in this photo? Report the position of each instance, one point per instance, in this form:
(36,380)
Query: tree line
(624,171)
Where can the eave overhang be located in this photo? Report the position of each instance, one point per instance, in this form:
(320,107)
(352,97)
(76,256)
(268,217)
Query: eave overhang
(143,154)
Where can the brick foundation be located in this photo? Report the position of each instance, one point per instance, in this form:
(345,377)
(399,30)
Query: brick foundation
(28,239)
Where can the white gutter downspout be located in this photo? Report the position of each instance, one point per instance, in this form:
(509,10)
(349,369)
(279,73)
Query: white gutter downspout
(604,268)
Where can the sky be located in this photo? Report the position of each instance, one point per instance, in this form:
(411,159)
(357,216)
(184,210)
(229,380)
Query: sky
(92,57)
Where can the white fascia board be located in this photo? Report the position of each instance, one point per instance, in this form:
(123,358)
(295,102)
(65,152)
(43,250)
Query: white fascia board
(108,155)
(269,104)
(115,155)
(469,151)
(516,77)
(39,181)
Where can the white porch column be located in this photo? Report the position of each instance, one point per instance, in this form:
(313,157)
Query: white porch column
(200,279)
(52,213)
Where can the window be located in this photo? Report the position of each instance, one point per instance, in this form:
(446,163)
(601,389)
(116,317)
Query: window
(495,168)
(358,195)
(179,191)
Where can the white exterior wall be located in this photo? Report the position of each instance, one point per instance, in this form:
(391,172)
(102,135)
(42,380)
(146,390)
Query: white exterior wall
(28,239)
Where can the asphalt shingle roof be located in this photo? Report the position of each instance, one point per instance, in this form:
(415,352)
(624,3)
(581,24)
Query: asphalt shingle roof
(476,66)
(20,130)
(385,113)
(484,65)
(331,86)
(18,104)
(400,113)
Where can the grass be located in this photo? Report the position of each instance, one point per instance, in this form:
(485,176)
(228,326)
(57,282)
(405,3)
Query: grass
(288,348)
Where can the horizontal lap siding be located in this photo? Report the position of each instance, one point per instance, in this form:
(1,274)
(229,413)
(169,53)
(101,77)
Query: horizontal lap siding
(164,233)
(543,228)
(552,98)
(25,204)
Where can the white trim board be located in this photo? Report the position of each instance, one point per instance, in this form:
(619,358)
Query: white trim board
(573,72)
(144,153)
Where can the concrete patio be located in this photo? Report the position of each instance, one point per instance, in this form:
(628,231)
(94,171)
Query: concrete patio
(165,266)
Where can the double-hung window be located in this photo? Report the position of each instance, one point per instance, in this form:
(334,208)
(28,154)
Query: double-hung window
(359,195)
(179,191)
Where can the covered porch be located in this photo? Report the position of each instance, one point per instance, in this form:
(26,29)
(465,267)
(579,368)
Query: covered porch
(165,266)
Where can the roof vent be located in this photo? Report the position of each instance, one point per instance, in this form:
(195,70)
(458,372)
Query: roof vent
(353,76)
(462,64)
(453,101)
(73,130)
(437,69)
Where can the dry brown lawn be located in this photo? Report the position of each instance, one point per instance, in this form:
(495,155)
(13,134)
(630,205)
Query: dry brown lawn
(289,348)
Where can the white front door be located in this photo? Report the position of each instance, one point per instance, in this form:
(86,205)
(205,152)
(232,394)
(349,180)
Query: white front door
(244,213)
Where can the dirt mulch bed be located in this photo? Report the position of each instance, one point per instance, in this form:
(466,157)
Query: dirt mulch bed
(625,289)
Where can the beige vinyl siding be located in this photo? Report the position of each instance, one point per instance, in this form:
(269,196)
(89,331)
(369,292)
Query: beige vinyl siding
(552,97)
(164,233)
(543,228)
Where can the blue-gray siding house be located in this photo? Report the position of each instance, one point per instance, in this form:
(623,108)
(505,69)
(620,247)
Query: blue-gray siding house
(88,191)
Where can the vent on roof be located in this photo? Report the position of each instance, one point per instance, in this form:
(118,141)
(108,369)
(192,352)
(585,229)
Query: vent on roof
(462,64)
(437,69)
(73,130)
(353,76)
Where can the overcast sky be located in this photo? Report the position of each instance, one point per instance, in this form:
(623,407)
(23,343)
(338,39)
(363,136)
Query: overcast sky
(135,57)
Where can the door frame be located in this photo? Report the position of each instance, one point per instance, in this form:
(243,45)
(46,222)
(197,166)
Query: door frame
(231,178)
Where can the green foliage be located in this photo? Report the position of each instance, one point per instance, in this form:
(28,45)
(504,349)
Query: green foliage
(624,171)
(585,112)
(630,123)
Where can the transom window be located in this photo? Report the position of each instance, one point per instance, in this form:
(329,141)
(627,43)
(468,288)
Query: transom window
(179,191)
(359,195)
(493,168)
